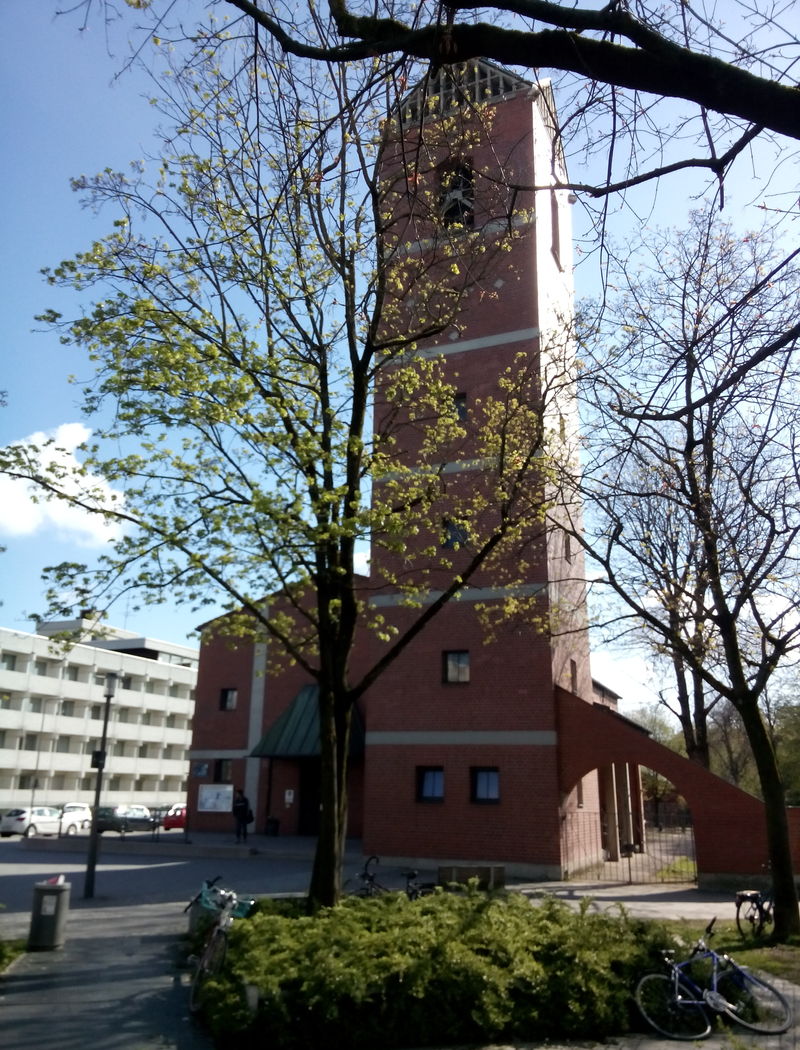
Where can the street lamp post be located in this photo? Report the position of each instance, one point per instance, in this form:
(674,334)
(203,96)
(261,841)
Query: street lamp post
(98,763)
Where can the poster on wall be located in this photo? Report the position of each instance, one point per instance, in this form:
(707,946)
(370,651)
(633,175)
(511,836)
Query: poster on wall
(215,798)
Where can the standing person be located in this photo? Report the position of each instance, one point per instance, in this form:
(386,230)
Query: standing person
(241,814)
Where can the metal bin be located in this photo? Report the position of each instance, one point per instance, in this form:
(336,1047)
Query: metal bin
(49,915)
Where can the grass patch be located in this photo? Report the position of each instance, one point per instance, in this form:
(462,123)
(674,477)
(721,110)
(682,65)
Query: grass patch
(682,869)
(445,969)
(9,951)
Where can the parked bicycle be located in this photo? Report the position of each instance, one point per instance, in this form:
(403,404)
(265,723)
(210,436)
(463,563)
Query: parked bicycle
(225,906)
(415,888)
(370,887)
(754,911)
(680,1003)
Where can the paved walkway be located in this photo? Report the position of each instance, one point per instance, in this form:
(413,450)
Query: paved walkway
(118,985)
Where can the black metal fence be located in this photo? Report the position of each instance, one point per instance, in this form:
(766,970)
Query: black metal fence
(666,852)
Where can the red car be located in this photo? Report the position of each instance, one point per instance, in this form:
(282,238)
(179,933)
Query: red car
(175,817)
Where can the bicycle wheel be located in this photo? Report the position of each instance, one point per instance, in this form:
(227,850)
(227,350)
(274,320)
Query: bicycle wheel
(209,964)
(749,918)
(754,1003)
(667,1012)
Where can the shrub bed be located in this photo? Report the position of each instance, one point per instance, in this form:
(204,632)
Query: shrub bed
(389,972)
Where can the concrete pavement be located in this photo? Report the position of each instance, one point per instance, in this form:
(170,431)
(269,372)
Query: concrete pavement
(118,983)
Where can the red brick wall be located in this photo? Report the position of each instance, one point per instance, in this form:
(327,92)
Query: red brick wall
(729,824)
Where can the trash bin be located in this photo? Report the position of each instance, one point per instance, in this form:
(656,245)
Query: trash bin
(273,825)
(49,915)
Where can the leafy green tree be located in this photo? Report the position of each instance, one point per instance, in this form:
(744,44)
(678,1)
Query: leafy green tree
(692,492)
(250,311)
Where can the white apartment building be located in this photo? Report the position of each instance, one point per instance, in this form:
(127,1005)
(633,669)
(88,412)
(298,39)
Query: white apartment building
(52,703)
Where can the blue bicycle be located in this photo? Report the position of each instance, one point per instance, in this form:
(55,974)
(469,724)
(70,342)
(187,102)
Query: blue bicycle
(681,1002)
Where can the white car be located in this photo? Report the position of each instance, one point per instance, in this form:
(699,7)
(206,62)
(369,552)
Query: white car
(40,820)
(75,816)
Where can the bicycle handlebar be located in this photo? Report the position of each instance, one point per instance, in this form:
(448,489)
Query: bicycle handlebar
(206,886)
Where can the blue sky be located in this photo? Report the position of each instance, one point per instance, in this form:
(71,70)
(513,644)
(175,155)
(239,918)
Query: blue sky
(64,115)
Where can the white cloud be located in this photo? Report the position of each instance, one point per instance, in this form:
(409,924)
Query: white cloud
(24,511)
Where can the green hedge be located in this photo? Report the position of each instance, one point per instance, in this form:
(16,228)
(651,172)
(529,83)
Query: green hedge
(451,968)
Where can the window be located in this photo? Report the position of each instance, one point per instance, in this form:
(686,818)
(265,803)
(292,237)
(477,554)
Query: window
(170,721)
(119,749)
(455,665)
(40,667)
(142,750)
(71,672)
(2,738)
(68,708)
(573,676)
(227,699)
(460,405)
(30,742)
(147,718)
(8,661)
(223,771)
(35,705)
(62,744)
(126,682)
(455,534)
(555,228)
(96,712)
(484,784)
(457,194)
(430,784)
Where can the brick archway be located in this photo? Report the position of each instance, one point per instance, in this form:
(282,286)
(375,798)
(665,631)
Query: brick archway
(729,824)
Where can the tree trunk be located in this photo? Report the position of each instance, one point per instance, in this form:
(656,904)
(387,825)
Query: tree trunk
(787,916)
(335,715)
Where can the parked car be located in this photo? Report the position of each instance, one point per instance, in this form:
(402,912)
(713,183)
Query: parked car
(75,816)
(175,817)
(125,818)
(38,820)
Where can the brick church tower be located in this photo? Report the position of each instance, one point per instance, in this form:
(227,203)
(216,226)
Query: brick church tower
(461,731)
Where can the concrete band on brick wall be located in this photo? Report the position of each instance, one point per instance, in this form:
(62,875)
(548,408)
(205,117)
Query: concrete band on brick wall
(468,594)
(465,737)
(461,346)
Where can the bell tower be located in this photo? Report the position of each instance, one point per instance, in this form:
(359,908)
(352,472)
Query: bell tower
(461,731)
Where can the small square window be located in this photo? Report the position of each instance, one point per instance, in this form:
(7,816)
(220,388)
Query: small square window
(460,405)
(455,534)
(455,665)
(430,784)
(223,771)
(484,784)
(227,699)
